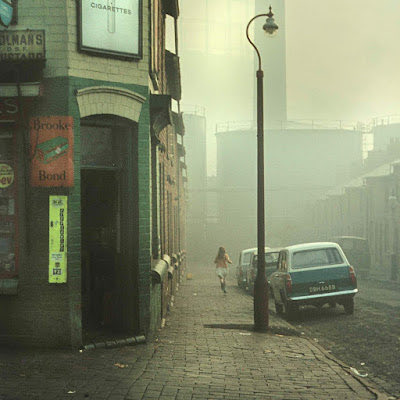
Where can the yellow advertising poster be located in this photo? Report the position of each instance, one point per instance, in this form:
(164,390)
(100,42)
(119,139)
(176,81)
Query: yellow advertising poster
(58,239)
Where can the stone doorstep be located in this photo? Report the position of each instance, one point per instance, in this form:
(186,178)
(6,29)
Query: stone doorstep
(113,343)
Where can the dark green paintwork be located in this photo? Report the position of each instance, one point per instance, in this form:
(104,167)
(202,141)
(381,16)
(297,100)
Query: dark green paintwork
(336,275)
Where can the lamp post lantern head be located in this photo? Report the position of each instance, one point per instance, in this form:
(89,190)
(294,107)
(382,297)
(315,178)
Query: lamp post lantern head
(270,25)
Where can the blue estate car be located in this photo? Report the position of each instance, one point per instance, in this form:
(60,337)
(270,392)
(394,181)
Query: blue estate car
(313,274)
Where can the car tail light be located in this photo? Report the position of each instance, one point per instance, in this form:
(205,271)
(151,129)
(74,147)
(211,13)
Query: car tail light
(288,283)
(353,276)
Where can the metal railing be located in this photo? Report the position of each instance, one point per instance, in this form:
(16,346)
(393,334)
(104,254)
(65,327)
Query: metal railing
(306,124)
(311,124)
(385,120)
(193,109)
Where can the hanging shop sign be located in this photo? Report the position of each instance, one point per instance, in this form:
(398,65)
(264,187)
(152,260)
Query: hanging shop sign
(58,213)
(22,45)
(6,12)
(111,27)
(52,142)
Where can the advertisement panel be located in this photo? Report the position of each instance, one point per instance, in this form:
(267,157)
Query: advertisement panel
(52,143)
(8,109)
(111,27)
(58,217)
(22,45)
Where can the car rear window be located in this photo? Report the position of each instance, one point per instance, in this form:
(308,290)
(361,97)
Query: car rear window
(270,258)
(246,258)
(316,258)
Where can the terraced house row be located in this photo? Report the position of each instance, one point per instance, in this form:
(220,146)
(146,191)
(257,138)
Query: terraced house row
(92,169)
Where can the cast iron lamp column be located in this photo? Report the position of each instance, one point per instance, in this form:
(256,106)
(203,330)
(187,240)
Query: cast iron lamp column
(261,284)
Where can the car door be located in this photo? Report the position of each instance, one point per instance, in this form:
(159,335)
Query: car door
(277,278)
(239,271)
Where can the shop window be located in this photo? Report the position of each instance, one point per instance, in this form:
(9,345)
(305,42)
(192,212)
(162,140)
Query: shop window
(8,242)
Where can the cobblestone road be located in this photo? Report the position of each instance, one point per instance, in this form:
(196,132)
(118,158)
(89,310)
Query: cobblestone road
(206,351)
(369,340)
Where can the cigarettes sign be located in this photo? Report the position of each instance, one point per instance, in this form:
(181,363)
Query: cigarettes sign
(111,27)
(58,213)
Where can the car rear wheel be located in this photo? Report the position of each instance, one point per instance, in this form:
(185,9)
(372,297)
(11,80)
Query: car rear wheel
(249,285)
(349,306)
(291,311)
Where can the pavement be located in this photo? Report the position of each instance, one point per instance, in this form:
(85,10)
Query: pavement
(207,350)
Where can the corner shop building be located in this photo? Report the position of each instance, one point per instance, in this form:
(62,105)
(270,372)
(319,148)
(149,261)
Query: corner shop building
(75,205)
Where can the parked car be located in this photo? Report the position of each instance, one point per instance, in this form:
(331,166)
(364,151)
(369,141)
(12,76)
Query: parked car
(271,262)
(357,252)
(243,264)
(313,274)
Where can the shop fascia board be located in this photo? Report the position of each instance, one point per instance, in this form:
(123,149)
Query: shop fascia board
(28,89)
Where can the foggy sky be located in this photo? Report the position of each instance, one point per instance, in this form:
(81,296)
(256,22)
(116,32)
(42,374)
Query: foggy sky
(343,62)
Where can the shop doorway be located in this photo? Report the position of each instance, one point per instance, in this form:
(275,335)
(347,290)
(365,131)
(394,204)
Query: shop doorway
(100,227)
(109,227)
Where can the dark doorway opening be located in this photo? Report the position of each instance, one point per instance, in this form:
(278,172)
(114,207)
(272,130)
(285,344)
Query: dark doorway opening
(109,228)
(100,236)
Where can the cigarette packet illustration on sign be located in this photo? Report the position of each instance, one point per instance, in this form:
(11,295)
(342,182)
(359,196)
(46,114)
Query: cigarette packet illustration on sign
(50,150)
(111,16)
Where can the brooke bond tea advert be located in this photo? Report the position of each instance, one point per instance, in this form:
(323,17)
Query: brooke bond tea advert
(52,145)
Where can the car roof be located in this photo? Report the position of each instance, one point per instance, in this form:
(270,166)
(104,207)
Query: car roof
(252,250)
(270,250)
(349,237)
(308,246)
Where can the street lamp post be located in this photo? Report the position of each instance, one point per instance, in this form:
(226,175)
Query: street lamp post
(260,284)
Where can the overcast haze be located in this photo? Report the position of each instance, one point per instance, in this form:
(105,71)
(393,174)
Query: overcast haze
(343,60)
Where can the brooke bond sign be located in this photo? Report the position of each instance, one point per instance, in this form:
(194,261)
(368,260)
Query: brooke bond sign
(52,142)
(27,45)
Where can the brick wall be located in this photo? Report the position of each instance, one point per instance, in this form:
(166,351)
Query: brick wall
(46,314)
(60,20)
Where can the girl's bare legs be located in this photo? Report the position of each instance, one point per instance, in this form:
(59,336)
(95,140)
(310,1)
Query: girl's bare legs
(222,282)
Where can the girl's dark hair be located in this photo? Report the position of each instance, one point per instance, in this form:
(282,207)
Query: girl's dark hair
(221,253)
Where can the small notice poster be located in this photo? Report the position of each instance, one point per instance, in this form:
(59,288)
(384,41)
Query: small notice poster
(52,143)
(6,176)
(58,239)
